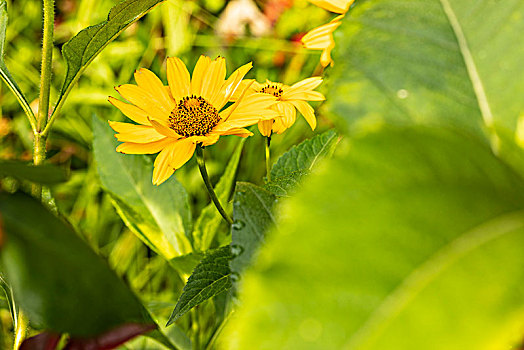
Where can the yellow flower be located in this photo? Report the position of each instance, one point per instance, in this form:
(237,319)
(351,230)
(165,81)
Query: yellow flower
(337,6)
(321,38)
(173,119)
(289,99)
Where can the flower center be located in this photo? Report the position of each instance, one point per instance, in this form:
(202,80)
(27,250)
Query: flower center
(272,89)
(193,116)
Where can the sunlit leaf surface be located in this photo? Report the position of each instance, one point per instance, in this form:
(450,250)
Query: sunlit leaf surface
(159,215)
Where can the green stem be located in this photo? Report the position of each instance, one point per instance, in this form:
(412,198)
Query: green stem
(39,144)
(39,154)
(202,166)
(268,159)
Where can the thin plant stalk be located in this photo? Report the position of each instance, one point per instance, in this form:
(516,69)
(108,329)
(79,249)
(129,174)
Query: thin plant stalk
(268,159)
(39,144)
(207,182)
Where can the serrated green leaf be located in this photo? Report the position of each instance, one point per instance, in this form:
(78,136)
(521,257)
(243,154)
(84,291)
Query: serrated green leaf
(4,72)
(253,216)
(59,282)
(293,165)
(46,174)
(210,219)
(210,277)
(80,51)
(419,247)
(158,215)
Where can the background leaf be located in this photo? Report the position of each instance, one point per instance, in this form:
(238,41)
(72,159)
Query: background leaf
(420,247)
(87,44)
(59,282)
(159,215)
(209,221)
(210,277)
(252,215)
(43,174)
(4,72)
(293,165)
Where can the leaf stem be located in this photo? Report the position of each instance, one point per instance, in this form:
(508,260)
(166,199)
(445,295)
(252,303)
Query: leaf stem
(20,330)
(39,144)
(207,182)
(268,159)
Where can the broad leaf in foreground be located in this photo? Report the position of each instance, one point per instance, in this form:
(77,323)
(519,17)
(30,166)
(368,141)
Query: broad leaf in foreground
(158,215)
(439,62)
(46,174)
(211,277)
(4,72)
(253,216)
(59,282)
(293,165)
(210,219)
(419,247)
(87,44)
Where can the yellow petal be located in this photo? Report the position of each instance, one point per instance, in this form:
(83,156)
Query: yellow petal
(182,152)
(337,6)
(148,81)
(207,140)
(144,100)
(246,83)
(135,133)
(321,37)
(143,148)
(247,111)
(278,126)
(178,78)
(307,111)
(232,86)
(302,89)
(132,112)
(171,158)
(287,112)
(238,132)
(265,127)
(164,130)
(325,58)
(199,72)
(162,170)
(214,78)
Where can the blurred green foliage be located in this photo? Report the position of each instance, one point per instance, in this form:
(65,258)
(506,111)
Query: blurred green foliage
(180,28)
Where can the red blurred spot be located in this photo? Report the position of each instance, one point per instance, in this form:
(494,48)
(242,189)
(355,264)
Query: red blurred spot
(42,341)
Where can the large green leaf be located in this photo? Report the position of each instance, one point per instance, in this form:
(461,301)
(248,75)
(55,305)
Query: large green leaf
(253,216)
(293,165)
(209,221)
(59,282)
(4,72)
(446,62)
(159,215)
(410,239)
(43,174)
(210,277)
(80,51)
